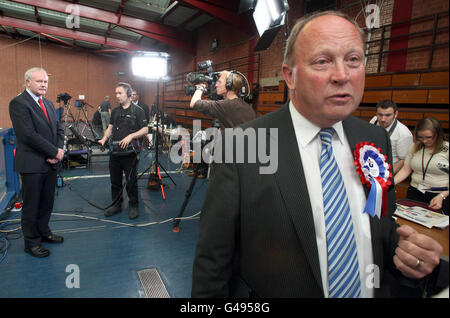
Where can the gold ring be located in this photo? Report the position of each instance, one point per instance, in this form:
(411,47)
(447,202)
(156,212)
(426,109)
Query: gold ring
(418,264)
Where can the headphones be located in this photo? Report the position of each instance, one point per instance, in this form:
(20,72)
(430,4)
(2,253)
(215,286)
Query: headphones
(127,87)
(229,82)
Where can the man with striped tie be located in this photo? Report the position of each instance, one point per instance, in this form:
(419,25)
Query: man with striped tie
(301,231)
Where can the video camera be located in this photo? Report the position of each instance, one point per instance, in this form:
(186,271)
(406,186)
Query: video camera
(207,77)
(63,97)
(79,103)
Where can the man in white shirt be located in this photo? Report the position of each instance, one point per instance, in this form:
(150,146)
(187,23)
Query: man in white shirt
(401,136)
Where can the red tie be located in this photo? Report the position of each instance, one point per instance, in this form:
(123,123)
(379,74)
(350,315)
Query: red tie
(43,108)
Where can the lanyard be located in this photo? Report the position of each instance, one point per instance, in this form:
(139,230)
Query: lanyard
(392,128)
(424,171)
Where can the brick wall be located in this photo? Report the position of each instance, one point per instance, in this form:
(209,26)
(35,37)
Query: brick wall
(420,59)
(72,71)
(235,44)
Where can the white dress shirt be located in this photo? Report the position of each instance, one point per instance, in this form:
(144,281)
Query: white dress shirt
(401,139)
(36,98)
(310,146)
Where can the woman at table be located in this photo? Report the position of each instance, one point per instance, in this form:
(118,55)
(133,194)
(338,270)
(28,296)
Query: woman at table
(427,163)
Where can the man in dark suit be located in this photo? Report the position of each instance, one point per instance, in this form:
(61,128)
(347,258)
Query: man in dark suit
(135,99)
(40,141)
(266,235)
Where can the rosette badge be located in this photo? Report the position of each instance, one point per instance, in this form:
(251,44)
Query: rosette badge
(374,171)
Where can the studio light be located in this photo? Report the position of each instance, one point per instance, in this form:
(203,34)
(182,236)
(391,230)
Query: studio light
(152,66)
(269,17)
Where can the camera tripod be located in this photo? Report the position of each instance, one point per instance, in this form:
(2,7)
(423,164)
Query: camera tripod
(77,120)
(198,169)
(155,179)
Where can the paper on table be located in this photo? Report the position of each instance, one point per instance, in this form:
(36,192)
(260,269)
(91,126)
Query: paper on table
(422,216)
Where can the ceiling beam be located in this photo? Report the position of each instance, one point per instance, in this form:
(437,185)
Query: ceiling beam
(226,16)
(184,46)
(165,34)
(6,30)
(122,3)
(113,51)
(76,35)
(192,18)
(171,8)
(36,15)
(226,4)
(48,36)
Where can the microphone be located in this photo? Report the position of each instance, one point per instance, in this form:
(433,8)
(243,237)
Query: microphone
(83,139)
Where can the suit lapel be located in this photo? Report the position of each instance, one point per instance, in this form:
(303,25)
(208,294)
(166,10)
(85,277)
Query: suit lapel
(354,139)
(51,116)
(350,127)
(292,184)
(36,107)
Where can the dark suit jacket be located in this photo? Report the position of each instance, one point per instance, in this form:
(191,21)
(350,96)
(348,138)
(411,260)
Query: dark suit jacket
(257,230)
(37,138)
(145,109)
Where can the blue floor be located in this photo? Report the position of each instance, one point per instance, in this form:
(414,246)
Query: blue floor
(109,251)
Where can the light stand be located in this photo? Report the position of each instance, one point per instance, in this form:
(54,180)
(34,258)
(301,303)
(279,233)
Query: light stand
(155,179)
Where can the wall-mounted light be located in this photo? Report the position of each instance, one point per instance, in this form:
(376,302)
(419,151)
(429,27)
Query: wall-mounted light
(214,44)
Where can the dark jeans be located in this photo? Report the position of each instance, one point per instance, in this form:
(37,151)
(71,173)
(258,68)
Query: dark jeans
(416,195)
(38,194)
(128,165)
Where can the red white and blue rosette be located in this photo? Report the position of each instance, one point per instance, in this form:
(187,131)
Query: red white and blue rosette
(374,171)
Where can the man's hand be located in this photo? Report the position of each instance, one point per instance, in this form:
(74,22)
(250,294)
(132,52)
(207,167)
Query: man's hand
(52,161)
(416,255)
(102,141)
(197,94)
(125,141)
(60,154)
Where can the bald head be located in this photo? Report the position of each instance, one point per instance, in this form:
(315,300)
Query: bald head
(325,73)
(289,53)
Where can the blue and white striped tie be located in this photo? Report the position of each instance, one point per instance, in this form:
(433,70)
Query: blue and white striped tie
(343,269)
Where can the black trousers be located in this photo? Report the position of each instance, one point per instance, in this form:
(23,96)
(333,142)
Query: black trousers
(38,194)
(416,195)
(128,165)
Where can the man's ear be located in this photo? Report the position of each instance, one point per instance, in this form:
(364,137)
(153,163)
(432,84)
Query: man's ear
(289,75)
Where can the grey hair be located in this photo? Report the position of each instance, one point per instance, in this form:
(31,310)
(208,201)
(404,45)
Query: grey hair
(289,53)
(29,72)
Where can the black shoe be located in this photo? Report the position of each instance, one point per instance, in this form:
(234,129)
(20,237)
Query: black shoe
(134,211)
(52,239)
(37,251)
(113,210)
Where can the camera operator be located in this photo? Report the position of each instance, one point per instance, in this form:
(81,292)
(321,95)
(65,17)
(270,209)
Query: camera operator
(127,124)
(232,110)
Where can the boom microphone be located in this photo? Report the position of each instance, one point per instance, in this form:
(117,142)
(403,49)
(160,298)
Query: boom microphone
(84,140)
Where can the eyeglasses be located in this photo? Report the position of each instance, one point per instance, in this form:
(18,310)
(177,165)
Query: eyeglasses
(425,137)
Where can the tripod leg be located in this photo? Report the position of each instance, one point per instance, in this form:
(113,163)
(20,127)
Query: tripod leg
(166,173)
(176,222)
(160,183)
